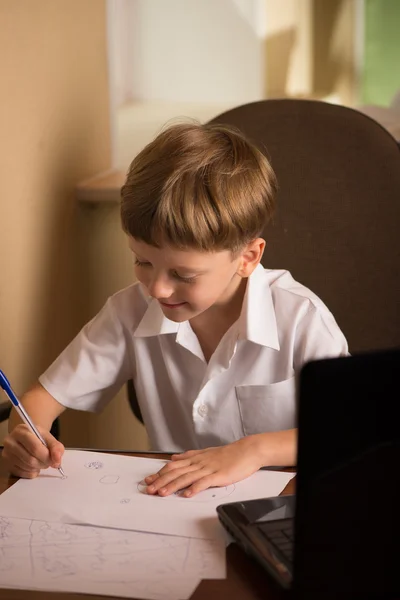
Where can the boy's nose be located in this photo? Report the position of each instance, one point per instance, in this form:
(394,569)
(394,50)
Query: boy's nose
(160,289)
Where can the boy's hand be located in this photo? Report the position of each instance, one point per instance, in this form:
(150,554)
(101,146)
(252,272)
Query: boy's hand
(197,470)
(24,455)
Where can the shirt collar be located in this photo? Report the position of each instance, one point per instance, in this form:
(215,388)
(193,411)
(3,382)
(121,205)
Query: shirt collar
(257,322)
(154,322)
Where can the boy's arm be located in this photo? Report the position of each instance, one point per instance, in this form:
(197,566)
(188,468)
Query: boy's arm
(277,448)
(42,408)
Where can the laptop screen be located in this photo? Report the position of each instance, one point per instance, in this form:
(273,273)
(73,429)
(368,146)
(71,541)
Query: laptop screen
(347,526)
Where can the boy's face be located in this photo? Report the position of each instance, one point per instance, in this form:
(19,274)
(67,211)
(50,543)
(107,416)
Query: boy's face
(187,282)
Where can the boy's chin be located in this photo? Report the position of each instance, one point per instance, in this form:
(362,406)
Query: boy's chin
(177,316)
(177,319)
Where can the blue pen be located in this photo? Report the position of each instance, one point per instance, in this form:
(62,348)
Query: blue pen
(5,384)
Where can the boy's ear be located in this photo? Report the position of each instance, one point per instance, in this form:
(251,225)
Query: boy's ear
(250,257)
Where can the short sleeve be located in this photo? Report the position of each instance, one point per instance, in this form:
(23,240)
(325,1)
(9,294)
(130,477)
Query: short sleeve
(93,367)
(318,336)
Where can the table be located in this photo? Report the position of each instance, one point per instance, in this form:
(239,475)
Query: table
(245,580)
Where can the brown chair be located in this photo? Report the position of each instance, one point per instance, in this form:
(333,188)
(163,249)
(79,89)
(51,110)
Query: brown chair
(133,401)
(337,227)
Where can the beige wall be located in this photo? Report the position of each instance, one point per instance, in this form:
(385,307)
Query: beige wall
(108,267)
(288,48)
(334,49)
(310,49)
(55,256)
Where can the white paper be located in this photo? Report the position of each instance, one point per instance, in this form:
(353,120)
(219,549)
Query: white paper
(107,490)
(93,560)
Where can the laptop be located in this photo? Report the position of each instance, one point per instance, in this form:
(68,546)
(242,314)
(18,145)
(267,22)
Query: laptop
(339,536)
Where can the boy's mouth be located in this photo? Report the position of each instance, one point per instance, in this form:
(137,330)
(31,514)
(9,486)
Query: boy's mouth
(175,305)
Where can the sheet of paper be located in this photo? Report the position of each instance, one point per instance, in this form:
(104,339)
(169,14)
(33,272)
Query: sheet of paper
(107,490)
(93,560)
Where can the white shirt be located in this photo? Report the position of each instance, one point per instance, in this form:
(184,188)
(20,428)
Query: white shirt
(247,387)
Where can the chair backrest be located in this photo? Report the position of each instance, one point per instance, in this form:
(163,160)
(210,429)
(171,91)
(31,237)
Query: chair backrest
(133,401)
(337,227)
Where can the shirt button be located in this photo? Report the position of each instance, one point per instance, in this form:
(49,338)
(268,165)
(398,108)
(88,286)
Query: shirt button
(202,410)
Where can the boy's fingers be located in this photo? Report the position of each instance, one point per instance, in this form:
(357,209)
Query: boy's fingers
(173,476)
(199,486)
(14,452)
(18,472)
(172,466)
(14,463)
(24,436)
(46,456)
(182,482)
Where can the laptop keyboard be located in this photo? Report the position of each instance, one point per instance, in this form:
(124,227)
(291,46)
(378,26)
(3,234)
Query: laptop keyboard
(280,534)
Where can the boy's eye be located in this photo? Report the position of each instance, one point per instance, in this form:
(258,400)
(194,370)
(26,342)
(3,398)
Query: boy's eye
(184,279)
(141,263)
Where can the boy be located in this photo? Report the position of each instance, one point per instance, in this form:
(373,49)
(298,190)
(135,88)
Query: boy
(211,340)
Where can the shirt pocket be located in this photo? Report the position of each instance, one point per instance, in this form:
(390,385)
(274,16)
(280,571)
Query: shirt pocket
(266,408)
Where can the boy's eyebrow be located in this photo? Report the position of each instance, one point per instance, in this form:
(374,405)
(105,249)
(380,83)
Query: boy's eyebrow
(182,268)
(141,258)
(137,254)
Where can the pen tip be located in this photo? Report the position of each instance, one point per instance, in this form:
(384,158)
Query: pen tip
(61,471)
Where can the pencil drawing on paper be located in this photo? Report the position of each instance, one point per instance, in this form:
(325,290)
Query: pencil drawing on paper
(45,555)
(4,527)
(109,479)
(95,464)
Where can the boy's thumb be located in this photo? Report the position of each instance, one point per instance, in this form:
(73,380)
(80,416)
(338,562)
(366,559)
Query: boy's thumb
(56,449)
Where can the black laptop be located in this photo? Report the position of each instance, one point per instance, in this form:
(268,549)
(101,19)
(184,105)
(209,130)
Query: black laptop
(339,536)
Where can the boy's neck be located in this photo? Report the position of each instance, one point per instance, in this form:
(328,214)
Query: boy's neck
(211,325)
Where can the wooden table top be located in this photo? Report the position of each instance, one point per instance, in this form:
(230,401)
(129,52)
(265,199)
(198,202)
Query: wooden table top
(245,579)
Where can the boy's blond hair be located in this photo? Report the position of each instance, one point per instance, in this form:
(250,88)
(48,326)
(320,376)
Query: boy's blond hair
(203,187)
